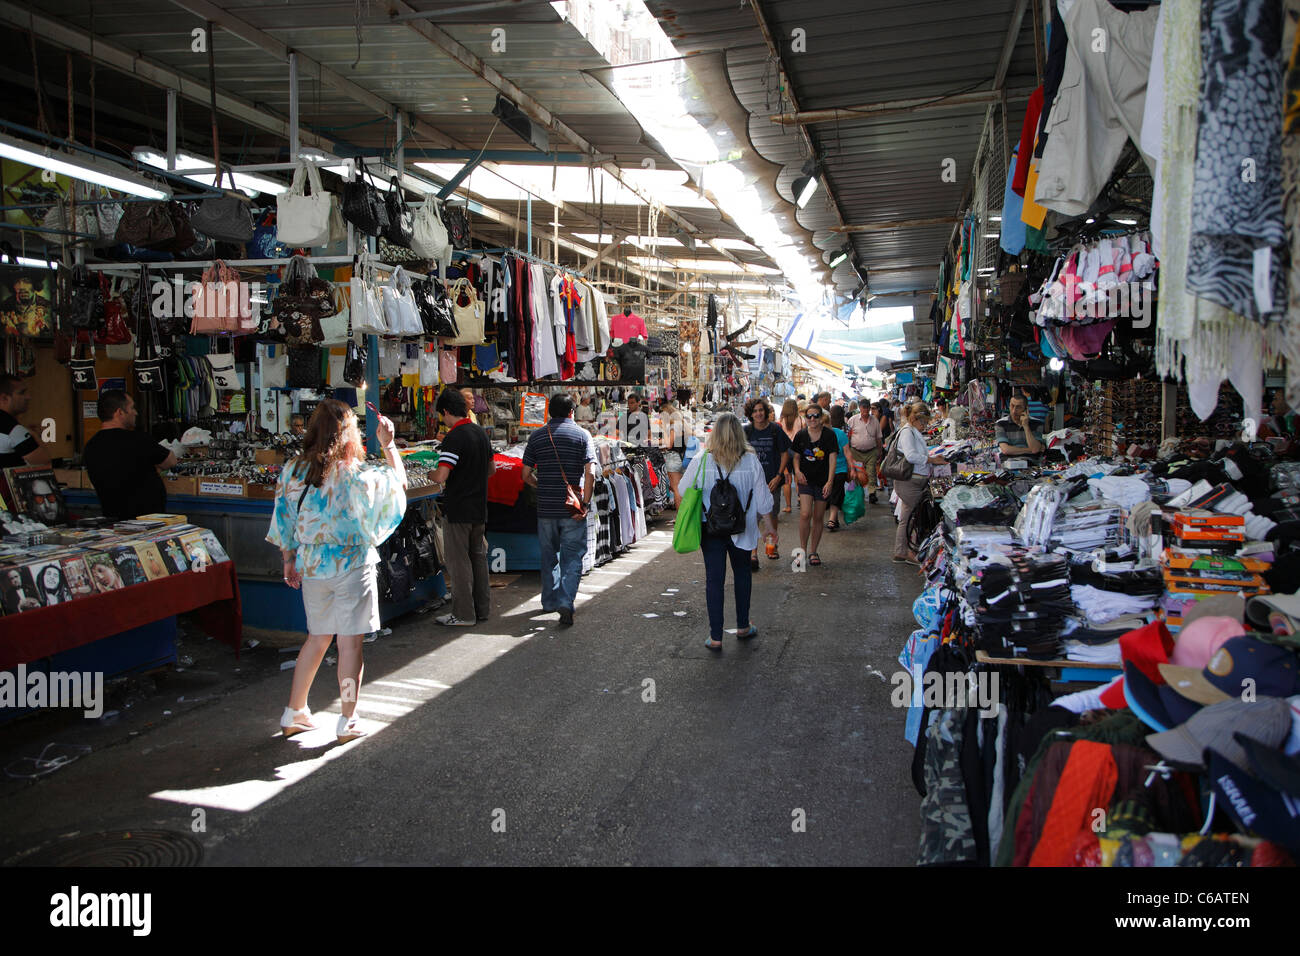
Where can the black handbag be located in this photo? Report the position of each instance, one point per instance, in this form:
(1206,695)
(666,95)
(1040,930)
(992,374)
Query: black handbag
(303,300)
(395,582)
(224,218)
(83,299)
(401,221)
(354,362)
(148,364)
(83,372)
(304,369)
(457,222)
(435,308)
(364,207)
(146,224)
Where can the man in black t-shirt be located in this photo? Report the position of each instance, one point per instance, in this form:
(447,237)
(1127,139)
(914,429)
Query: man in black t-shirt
(815,450)
(18,446)
(465,463)
(123,463)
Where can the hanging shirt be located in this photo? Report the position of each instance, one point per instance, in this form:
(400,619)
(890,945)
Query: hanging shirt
(628,326)
(545,360)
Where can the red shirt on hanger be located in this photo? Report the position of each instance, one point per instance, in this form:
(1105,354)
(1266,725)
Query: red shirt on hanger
(627,327)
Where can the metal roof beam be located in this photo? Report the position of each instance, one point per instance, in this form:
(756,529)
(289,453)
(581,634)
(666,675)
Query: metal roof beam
(476,65)
(917,104)
(897,224)
(125,61)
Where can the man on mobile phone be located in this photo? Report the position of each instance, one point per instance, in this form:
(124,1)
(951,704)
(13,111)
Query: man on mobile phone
(1018,435)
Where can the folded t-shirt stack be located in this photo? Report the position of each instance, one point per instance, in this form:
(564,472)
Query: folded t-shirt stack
(1021,607)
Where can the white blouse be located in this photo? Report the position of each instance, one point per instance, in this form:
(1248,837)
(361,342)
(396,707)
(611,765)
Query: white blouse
(913,447)
(746,477)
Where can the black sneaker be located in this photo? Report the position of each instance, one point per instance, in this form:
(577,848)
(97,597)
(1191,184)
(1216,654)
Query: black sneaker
(566,618)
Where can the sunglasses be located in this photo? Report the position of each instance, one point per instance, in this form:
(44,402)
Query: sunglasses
(812,417)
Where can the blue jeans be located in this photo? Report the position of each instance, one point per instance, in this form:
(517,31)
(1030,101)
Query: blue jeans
(716,552)
(563,544)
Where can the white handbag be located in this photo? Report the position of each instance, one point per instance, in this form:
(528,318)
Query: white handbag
(429,365)
(399,305)
(275,368)
(390,358)
(429,237)
(367,313)
(223,371)
(467,309)
(335,327)
(302,219)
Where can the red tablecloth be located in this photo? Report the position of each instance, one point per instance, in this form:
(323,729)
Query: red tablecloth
(213,593)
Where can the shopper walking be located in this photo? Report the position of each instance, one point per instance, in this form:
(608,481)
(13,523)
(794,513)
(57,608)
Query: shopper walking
(841,474)
(773,450)
(865,441)
(790,425)
(560,462)
(465,463)
(911,445)
(672,439)
(331,512)
(728,471)
(814,450)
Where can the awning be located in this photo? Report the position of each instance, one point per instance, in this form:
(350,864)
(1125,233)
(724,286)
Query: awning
(818,362)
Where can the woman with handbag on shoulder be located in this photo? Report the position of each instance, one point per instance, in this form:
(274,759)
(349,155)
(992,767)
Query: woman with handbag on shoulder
(729,458)
(910,445)
(332,510)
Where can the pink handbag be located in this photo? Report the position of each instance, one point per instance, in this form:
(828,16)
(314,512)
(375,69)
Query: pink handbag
(447,366)
(218,303)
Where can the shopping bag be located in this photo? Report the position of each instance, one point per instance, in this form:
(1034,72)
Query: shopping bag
(855,504)
(690,515)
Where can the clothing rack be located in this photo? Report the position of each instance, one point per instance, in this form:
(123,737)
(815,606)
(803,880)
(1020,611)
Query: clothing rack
(179,264)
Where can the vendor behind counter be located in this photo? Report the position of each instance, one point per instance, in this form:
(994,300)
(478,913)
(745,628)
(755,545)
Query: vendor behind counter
(124,464)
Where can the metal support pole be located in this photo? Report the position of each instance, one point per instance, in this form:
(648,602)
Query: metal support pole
(171,130)
(293,107)
(1168,410)
(399,158)
(530,224)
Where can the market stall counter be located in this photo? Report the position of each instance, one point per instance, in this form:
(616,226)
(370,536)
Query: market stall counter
(269,605)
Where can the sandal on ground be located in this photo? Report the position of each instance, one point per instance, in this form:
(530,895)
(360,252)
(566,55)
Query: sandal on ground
(753,562)
(713,645)
(785,511)
(349,729)
(832,526)
(747,634)
(293,722)
(814,559)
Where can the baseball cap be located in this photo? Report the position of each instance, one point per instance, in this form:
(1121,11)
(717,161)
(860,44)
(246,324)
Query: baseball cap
(1145,647)
(1253,805)
(1218,605)
(1198,640)
(1272,669)
(1260,607)
(1267,720)
(1272,766)
(1155,704)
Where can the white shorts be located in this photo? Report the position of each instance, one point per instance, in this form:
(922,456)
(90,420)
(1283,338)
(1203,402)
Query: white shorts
(673,462)
(347,604)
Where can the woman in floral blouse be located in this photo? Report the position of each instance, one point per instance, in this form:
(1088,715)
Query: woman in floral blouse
(331,510)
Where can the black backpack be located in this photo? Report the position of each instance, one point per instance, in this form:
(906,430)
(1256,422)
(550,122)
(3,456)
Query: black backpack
(726,515)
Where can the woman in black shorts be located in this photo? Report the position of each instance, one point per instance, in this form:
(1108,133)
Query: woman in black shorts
(814,450)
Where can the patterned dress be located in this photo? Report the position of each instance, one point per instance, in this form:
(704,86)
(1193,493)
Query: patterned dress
(335,528)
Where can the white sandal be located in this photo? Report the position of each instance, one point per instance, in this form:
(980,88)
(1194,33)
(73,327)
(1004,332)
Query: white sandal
(349,729)
(294,722)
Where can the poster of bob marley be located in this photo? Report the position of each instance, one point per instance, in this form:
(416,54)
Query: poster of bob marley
(27,302)
(37,494)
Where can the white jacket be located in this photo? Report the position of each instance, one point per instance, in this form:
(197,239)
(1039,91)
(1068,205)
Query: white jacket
(746,477)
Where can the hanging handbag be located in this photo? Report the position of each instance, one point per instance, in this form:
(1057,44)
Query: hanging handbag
(429,366)
(107,217)
(263,244)
(216,304)
(334,328)
(467,310)
(400,312)
(116,312)
(83,298)
(338,225)
(434,308)
(225,218)
(145,224)
(401,223)
(303,219)
(303,300)
(305,367)
(447,370)
(429,233)
(688,528)
(363,206)
(367,312)
(354,364)
(895,467)
(84,223)
(83,372)
(223,371)
(147,365)
(183,242)
(457,222)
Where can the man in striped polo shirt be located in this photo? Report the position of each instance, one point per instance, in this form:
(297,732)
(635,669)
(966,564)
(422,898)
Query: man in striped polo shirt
(558,459)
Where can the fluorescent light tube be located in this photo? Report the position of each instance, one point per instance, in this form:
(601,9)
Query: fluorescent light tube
(98,172)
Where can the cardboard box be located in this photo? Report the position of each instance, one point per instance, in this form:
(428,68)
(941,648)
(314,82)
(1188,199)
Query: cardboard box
(268,456)
(262,491)
(72,477)
(220,486)
(179,484)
